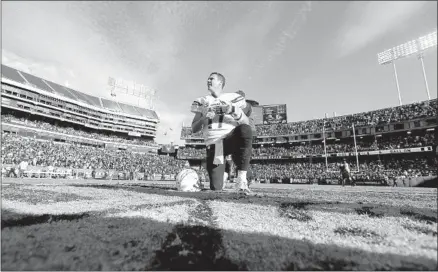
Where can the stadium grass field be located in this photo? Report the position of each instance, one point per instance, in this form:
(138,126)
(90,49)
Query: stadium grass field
(102,225)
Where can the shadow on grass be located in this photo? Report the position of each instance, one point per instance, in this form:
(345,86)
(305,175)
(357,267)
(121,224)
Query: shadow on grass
(288,203)
(105,243)
(15,220)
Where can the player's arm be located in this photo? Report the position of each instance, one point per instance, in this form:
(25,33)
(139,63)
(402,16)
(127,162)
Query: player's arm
(240,116)
(236,112)
(199,118)
(247,109)
(236,108)
(241,110)
(197,122)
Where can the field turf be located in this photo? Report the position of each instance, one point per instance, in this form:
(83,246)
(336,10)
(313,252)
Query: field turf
(100,225)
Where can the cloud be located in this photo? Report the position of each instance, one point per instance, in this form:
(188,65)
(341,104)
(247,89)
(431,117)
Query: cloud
(251,29)
(137,41)
(292,30)
(288,34)
(84,43)
(366,22)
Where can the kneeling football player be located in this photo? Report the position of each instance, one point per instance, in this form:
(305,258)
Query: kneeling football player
(226,131)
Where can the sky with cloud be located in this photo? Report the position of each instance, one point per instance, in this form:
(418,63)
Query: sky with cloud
(316,57)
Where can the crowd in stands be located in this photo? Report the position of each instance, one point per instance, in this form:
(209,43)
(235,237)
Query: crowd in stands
(390,168)
(393,142)
(71,131)
(317,147)
(48,154)
(16,149)
(371,118)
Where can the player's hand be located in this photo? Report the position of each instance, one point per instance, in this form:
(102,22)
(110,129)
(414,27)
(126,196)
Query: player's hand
(225,108)
(210,113)
(205,109)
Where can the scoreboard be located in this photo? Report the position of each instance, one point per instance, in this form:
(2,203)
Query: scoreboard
(257,115)
(274,114)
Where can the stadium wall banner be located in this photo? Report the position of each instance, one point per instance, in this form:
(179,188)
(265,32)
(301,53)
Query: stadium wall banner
(274,114)
(6,101)
(271,157)
(407,150)
(132,133)
(350,154)
(329,181)
(298,181)
(390,151)
(191,157)
(9,102)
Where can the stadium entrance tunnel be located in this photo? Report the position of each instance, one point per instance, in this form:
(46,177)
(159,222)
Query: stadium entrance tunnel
(193,248)
(427,183)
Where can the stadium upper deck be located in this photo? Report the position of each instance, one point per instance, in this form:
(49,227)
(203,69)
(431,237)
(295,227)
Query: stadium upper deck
(28,93)
(51,87)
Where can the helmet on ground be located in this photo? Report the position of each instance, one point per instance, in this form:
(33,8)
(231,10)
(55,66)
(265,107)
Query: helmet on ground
(188,181)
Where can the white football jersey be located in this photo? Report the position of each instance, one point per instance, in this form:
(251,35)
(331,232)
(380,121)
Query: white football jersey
(218,127)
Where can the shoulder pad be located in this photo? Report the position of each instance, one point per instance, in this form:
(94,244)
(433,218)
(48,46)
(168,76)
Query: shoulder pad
(238,100)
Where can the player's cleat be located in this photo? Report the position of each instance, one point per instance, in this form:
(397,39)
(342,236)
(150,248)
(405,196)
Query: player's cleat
(225,181)
(246,191)
(242,186)
(240,183)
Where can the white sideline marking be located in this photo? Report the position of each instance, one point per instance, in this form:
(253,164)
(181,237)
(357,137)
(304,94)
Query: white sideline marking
(174,214)
(103,199)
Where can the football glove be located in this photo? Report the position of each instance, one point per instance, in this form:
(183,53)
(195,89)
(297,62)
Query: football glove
(226,108)
(208,112)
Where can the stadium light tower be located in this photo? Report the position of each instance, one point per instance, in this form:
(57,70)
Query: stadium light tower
(325,147)
(417,46)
